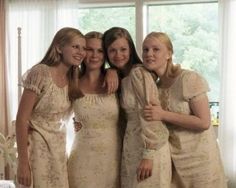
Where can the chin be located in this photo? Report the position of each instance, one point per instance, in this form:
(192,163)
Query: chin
(148,67)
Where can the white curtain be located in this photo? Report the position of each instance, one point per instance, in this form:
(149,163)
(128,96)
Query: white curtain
(227,129)
(39,20)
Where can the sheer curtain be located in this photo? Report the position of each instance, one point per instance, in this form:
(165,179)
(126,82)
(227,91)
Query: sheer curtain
(227,130)
(3,109)
(39,20)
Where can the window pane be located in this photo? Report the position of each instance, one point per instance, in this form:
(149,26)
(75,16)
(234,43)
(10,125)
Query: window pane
(193,29)
(101,19)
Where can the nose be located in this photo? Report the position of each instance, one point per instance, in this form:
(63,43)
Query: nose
(95,53)
(117,53)
(81,51)
(149,52)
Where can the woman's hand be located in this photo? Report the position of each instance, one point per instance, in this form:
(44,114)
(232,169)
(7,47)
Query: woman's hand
(153,112)
(144,169)
(111,81)
(24,174)
(77,125)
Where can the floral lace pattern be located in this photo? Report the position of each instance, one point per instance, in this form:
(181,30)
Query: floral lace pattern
(195,154)
(95,157)
(143,139)
(47,140)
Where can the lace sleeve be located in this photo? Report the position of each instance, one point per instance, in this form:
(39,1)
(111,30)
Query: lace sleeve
(154,133)
(35,78)
(194,85)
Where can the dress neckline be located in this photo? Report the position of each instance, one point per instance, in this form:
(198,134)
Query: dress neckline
(175,81)
(54,83)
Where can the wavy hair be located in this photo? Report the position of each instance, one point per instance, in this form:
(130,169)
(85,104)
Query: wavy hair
(53,58)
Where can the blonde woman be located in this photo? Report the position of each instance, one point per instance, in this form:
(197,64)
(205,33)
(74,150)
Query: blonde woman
(185,110)
(95,156)
(43,110)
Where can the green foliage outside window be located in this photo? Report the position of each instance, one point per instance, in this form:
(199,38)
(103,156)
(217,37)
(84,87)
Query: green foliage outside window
(193,29)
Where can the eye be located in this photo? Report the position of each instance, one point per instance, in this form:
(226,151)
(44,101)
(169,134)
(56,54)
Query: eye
(100,50)
(145,49)
(76,46)
(89,49)
(123,49)
(112,50)
(156,49)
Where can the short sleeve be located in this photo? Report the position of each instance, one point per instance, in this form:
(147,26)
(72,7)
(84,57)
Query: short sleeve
(153,133)
(194,85)
(35,78)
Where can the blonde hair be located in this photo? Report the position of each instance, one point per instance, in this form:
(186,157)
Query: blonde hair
(75,91)
(62,37)
(92,35)
(172,70)
(53,58)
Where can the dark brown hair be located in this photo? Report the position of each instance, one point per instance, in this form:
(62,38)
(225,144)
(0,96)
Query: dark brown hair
(115,33)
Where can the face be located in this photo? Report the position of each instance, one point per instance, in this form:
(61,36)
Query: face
(74,52)
(119,52)
(155,55)
(94,57)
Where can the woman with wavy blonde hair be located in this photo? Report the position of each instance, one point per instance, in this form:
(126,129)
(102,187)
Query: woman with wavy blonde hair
(43,111)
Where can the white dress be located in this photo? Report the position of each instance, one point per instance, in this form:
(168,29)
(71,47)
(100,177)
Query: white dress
(143,140)
(195,154)
(94,160)
(47,138)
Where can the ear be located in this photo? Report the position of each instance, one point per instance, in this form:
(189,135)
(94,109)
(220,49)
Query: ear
(168,55)
(58,49)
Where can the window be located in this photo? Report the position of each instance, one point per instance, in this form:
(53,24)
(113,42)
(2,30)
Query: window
(192,27)
(100,19)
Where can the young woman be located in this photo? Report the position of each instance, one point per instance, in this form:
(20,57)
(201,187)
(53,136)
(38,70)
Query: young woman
(185,110)
(96,152)
(43,109)
(145,157)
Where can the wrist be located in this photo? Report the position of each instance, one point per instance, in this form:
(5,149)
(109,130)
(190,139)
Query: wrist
(148,154)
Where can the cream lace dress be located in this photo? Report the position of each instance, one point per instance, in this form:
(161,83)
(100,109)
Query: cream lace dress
(143,140)
(195,154)
(94,160)
(47,139)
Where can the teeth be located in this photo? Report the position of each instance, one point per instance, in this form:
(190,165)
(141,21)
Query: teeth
(78,58)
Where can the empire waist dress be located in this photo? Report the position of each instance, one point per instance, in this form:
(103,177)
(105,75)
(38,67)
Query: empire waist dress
(96,151)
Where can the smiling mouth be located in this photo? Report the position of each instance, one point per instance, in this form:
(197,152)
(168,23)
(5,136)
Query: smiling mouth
(78,58)
(148,61)
(119,61)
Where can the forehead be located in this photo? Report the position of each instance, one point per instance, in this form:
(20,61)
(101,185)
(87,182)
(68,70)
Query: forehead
(153,41)
(119,42)
(93,41)
(78,39)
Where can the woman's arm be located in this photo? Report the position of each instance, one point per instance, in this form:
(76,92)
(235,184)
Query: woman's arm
(111,81)
(26,105)
(154,134)
(198,120)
